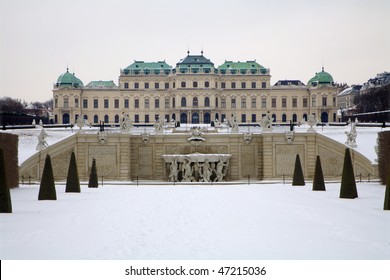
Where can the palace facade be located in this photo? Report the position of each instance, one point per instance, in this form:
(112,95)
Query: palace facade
(194,91)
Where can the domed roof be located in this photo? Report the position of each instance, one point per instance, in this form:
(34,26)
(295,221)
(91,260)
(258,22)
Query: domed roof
(321,78)
(69,80)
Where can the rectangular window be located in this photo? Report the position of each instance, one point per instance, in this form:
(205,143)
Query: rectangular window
(127,103)
(243,103)
(136,118)
(294,102)
(223,85)
(146,118)
(106,103)
(56,103)
(157,103)
(324,101)
(284,102)
(253,117)
(166,103)
(264,102)
(76,102)
(273,105)
(95,103)
(264,85)
(167,118)
(253,84)
(85,103)
(233,103)
(66,102)
(334,101)
(166,85)
(313,101)
(156,85)
(174,85)
(136,103)
(146,103)
(156,117)
(116,103)
(146,85)
(183,84)
(304,103)
(253,103)
(136,85)
(206,84)
(223,102)
(243,118)
(243,84)
(126,85)
(233,84)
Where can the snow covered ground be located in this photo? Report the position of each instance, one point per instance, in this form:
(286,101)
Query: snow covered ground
(263,221)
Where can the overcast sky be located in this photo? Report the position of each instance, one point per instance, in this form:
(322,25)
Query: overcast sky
(39,38)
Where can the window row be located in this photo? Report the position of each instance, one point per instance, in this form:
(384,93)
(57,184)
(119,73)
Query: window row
(196,84)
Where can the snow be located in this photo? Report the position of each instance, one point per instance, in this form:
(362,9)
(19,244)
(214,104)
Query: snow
(257,221)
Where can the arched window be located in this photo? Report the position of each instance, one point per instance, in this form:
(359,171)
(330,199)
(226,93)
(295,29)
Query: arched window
(207,102)
(273,117)
(216,101)
(195,102)
(284,118)
(305,117)
(294,118)
(174,116)
(116,118)
(106,120)
(85,117)
(173,102)
(95,119)
(183,84)
(183,102)
(206,118)
(65,118)
(195,84)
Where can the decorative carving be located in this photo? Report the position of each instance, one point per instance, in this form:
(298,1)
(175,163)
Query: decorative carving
(248,137)
(285,158)
(145,138)
(159,126)
(233,124)
(103,137)
(332,163)
(289,136)
(41,140)
(196,137)
(197,167)
(80,123)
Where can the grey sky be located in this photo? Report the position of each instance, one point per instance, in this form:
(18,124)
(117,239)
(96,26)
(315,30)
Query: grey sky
(39,38)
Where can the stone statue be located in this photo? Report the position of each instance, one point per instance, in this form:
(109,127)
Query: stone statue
(248,137)
(145,137)
(266,122)
(206,171)
(187,170)
(102,137)
(219,172)
(80,122)
(311,121)
(234,125)
(159,126)
(351,136)
(41,140)
(289,136)
(174,171)
(125,124)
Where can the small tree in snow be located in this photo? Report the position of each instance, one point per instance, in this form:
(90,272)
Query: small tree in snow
(47,189)
(298,179)
(387,193)
(5,196)
(93,177)
(72,181)
(318,181)
(348,183)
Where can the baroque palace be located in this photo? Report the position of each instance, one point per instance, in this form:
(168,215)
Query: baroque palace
(195,91)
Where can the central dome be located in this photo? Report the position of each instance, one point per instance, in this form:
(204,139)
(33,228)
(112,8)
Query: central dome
(321,78)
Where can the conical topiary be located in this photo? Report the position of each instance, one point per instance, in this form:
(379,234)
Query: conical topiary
(93,177)
(348,184)
(318,181)
(387,193)
(298,179)
(72,181)
(47,189)
(5,196)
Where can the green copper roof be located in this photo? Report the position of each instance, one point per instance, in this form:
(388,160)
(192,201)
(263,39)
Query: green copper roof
(321,78)
(242,67)
(101,84)
(195,61)
(141,65)
(69,80)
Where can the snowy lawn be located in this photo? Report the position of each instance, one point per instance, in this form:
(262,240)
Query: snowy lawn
(264,221)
